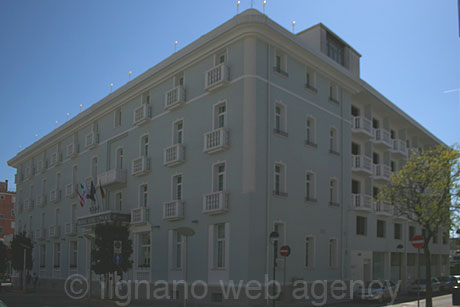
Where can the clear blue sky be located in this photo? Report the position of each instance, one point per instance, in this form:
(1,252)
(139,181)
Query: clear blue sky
(56,55)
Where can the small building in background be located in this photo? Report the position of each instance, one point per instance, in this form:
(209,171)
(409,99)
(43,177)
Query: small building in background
(7,217)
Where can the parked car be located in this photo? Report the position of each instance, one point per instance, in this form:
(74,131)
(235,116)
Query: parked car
(447,282)
(376,290)
(419,285)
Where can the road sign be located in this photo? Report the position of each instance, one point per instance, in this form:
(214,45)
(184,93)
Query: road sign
(117,247)
(117,259)
(418,241)
(285,250)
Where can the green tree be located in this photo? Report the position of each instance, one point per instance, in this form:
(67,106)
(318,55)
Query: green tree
(3,257)
(425,191)
(102,253)
(18,244)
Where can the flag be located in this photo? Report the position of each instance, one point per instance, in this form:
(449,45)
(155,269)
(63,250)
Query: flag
(85,191)
(102,190)
(82,199)
(92,193)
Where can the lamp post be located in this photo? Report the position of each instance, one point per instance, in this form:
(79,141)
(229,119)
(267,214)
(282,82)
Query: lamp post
(274,241)
(25,247)
(185,232)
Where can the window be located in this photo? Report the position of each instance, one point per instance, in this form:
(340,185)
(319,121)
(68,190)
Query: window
(120,158)
(310,79)
(143,195)
(178,132)
(219,177)
(333,192)
(332,253)
(280,180)
(146,98)
(145,145)
(177,187)
(219,245)
(393,166)
(118,201)
(335,49)
(309,252)
(280,63)
(58,181)
(310,186)
(57,215)
(333,93)
(333,144)
(177,250)
(144,250)
(221,58)
(73,254)
(398,231)
(12,213)
(117,119)
(280,120)
(381,229)
(1,230)
(411,232)
(57,255)
(220,114)
(179,79)
(42,255)
(310,131)
(361,225)
(94,168)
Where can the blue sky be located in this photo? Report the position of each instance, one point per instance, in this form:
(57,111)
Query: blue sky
(56,55)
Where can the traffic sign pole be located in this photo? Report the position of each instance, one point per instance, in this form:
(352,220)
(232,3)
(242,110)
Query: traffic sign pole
(418,242)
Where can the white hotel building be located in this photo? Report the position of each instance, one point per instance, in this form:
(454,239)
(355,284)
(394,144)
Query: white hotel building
(248,129)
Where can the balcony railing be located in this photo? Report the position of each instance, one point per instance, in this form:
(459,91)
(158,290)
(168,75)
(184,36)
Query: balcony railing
(142,114)
(140,215)
(399,147)
(40,234)
(174,154)
(361,201)
(91,140)
(173,210)
(361,163)
(216,76)
(70,228)
(140,166)
(382,136)
(216,140)
(383,208)
(54,231)
(55,195)
(382,171)
(29,204)
(362,124)
(113,177)
(175,97)
(215,203)
(70,190)
(41,200)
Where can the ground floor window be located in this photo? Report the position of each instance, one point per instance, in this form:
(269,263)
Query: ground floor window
(57,255)
(73,254)
(42,255)
(144,250)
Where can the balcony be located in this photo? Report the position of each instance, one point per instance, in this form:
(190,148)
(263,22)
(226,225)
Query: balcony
(399,147)
(70,190)
(361,202)
(382,137)
(113,178)
(41,200)
(29,204)
(70,229)
(91,140)
(40,234)
(72,150)
(361,163)
(174,155)
(383,208)
(216,77)
(140,216)
(173,210)
(55,195)
(216,140)
(41,166)
(140,166)
(175,98)
(54,231)
(362,126)
(382,172)
(56,158)
(215,203)
(142,114)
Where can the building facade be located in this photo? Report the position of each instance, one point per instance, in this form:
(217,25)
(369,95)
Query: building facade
(7,217)
(247,130)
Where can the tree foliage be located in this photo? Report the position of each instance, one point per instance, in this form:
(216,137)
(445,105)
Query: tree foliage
(18,244)
(426,192)
(103,250)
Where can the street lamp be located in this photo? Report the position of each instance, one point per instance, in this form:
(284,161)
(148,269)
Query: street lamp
(274,235)
(185,232)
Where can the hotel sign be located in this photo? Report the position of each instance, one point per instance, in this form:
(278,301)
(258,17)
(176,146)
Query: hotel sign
(103,217)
